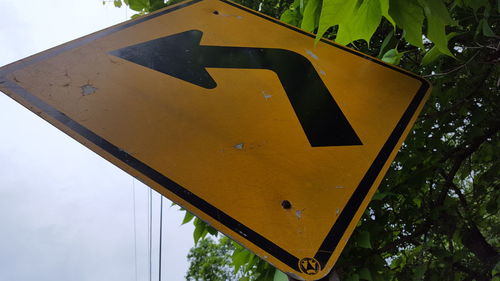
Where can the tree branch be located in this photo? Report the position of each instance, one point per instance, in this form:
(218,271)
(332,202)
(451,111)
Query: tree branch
(453,69)
(423,228)
(472,93)
(471,273)
(472,237)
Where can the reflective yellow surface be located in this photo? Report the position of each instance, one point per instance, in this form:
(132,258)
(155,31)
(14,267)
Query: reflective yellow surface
(238,146)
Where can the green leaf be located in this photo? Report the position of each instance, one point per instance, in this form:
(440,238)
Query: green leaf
(379,195)
(334,12)
(197,234)
(265,272)
(187,218)
(492,205)
(437,19)
(251,261)
(156,5)
(240,257)
(434,53)
(477,4)
(385,44)
(199,230)
(137,15)
(392,56)
(398,263)
(419,272)
(410,17)
(487,29)
(280,276)
(310,18)
(431,55)
(291,16)
(363,240)
(211,230)
(353,277)
(417,201)
(496,269)
(138,5)
(362,24)
(384,7)
(117,3)
(365,274)
(437,8)
(302,5)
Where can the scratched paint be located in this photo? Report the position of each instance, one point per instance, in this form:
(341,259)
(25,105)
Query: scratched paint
(88,89)
(313,55)
(181,134)
(298,214)
(239,146)
(266,95)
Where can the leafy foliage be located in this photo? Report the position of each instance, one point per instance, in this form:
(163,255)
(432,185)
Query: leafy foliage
(143,7)
(436,214)
(211,261)
(225,260)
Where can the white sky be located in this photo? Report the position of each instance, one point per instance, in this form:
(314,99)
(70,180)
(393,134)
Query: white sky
(66,213)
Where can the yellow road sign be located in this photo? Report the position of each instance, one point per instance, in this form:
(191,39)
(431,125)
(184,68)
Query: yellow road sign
(238,117)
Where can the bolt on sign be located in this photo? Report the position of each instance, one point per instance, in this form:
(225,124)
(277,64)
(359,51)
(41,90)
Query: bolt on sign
(241,119)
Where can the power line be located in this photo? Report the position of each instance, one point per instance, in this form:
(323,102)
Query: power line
(135,229)
(150,230)
(161,224)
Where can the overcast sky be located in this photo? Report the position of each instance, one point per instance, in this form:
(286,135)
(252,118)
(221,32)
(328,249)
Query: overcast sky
(66,213)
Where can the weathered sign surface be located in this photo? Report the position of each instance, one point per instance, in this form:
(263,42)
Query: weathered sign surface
(241,119)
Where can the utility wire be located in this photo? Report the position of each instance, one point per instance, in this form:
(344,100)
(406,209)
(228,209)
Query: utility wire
(161,224)
(135,229)
(150,230)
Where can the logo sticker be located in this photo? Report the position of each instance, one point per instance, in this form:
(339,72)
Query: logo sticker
(309,266)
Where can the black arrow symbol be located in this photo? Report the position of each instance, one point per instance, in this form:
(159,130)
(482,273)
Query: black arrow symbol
(181,56)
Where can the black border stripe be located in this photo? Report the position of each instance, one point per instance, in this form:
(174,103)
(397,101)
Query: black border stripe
(155,176)
(338,229)
(345,218)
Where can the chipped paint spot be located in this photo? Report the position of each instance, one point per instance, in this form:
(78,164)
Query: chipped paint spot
(266,95)
(88,89)
(339,186)
(239,146)
(322,72)
(313,55)
(337,211)
(298,213)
